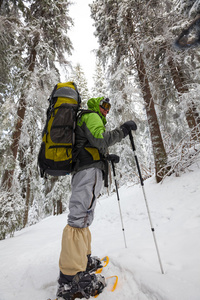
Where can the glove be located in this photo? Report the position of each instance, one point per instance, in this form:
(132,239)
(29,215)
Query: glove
(113,157)
(127,127)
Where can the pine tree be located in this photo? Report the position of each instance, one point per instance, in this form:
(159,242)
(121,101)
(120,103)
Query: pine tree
(39,41)
(78,76)
(100,84)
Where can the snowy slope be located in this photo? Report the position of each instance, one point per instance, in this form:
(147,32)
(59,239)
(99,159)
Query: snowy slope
(29,261)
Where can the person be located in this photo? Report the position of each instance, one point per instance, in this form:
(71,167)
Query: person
(92,141)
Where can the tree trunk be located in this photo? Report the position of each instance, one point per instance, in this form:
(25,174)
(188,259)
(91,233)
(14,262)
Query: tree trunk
(7,177)
(49,184)
(59,207)
(8,174)
(160,156)
(191,115)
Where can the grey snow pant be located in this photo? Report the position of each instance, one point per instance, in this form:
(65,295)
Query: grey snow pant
(76,239)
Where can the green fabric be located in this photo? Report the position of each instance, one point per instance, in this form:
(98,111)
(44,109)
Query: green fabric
(94,124)
(93,104)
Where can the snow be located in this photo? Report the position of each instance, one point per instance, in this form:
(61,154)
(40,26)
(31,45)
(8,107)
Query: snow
(29,261)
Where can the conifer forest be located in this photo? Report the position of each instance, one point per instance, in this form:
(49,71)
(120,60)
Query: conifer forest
(138,67)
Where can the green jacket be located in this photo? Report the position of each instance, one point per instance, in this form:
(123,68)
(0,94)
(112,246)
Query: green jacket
(93,138)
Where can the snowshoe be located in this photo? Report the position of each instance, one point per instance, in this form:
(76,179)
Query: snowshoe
(83,285)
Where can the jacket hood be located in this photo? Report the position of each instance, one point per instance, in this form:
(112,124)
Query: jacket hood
(93,104)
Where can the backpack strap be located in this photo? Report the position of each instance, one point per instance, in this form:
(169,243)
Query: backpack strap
(49,110)
(82,112)
(79,97)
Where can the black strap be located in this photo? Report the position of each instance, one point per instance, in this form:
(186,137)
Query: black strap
(106,173)
(81,112)
(62,126)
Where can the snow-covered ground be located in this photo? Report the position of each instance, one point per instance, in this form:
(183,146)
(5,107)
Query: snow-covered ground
(29,261)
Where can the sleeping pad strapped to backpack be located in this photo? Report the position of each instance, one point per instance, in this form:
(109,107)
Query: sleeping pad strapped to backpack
(56,152)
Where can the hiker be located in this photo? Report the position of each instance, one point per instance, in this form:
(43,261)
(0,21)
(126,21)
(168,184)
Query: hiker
(75,280)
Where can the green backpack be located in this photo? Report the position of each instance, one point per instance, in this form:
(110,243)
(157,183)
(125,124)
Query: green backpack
(56,155)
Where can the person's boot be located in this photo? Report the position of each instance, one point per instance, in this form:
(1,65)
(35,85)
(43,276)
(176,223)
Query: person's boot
(83,285)
(93,264)
(64,287)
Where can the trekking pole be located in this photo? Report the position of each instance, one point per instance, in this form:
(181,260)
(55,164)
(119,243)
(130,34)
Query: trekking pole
(145,198)
(114,158)
(114,175)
